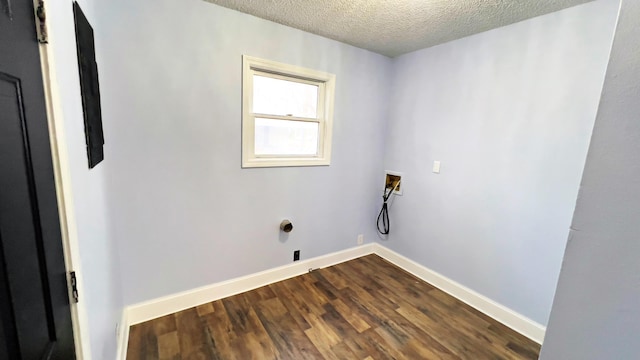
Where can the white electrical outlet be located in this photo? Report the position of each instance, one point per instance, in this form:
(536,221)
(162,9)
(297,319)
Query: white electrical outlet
(360,239)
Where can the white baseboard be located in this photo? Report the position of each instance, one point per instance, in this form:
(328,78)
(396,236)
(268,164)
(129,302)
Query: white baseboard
(148,310)
(123,336)
(501,313)
(181,301)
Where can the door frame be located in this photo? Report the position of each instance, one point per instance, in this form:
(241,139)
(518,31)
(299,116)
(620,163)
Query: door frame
(64,191)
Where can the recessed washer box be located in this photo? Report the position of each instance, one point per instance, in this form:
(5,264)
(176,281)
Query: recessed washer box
(390,178)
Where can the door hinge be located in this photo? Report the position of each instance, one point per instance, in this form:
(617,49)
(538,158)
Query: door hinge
(74,286)
(41,23)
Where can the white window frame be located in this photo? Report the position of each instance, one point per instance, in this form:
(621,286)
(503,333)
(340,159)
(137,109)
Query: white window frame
(326,90)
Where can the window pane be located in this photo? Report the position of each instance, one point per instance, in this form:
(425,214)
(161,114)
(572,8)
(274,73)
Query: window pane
(282,97)
(283,137)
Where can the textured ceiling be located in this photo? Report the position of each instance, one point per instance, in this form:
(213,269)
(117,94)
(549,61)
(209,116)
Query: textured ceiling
(396,27)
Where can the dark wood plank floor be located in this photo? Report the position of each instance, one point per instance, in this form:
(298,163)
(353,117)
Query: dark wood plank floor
(365,308)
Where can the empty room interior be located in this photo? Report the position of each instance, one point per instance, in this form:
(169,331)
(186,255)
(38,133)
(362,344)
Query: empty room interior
(500,137)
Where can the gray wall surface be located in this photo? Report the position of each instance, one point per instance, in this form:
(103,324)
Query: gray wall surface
(183,211)
(596,312)
(509,113)
(101,293)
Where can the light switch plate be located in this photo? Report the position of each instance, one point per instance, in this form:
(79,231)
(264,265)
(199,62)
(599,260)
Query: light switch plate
(436,167)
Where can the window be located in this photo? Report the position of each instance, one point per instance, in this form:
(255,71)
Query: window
(287,113)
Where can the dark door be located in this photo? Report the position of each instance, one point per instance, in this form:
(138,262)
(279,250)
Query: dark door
(34,302)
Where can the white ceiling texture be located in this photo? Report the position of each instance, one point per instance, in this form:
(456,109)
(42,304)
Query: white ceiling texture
(396,27)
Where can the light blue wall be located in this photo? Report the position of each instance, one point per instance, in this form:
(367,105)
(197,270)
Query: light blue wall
(101,293)
(182,210)
(509,113)
(595,313)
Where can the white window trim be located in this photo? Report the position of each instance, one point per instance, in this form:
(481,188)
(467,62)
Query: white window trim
(251,65)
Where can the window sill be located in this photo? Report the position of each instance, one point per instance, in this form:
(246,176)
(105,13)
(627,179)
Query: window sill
(284,162)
